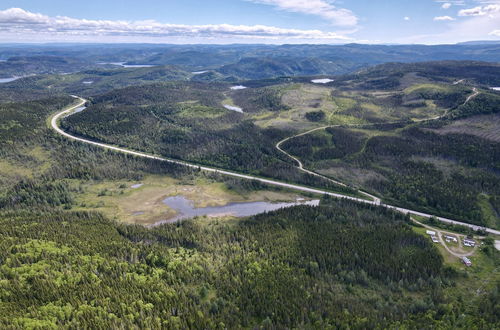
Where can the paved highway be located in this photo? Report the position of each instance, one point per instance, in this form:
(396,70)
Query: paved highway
(54,122)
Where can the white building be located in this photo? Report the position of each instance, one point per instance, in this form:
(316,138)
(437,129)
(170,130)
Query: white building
(450,238)
(469,242)
(466,261)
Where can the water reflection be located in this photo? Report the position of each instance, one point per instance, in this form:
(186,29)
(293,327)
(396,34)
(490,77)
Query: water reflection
(185,208)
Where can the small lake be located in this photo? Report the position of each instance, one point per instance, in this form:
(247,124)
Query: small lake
(495,88)
(123,65)
(6,80)
(199,72)
(321,81)
(235,88)
(186,210)
(79,109)
(138,65)
(233,108)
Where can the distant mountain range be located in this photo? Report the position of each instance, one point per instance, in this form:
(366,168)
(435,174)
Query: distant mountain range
(235,62)
(480,42)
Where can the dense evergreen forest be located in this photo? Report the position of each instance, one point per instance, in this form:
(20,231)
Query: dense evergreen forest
(388,75)
(186,121)
(232,62)
(407,163)
(338,265)
(413,165)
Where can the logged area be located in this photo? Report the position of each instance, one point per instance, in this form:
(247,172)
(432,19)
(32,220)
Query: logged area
(392,131)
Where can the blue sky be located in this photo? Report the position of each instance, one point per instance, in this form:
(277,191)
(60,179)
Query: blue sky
(250,21)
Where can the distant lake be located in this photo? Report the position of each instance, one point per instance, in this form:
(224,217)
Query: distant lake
(233,108)
(186,210)
(234,88)
(123,65)
(6,80)
(79,109)
(321,81)
(495,88)
(199,72)
(138,65)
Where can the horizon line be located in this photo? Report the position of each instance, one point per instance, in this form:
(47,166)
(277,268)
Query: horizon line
(470,42)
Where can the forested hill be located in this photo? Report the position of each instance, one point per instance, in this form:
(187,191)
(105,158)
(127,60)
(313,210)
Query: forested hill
(482,73)
(340,265)
(64,264)
(186,120)
(409,164)
(233,62)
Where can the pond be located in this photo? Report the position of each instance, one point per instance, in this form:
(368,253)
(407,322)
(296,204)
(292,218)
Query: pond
(185,208)
(321,81)
(233,108)
(6,80)
(235,88)
(79,109)
(123,65)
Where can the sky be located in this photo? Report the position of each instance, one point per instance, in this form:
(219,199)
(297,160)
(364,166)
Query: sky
(250,21)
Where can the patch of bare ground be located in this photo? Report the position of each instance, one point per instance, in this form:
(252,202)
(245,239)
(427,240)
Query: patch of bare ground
(357,176)
(412,78)
(382,94)
(446,166)
(483,126)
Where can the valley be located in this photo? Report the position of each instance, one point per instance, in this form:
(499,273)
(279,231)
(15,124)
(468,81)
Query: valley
(140,200)
(289,112)
(374,200)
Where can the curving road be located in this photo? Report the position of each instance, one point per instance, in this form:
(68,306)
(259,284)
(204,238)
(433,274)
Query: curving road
(54,122)
(300,165)
(473,95)
(305,170)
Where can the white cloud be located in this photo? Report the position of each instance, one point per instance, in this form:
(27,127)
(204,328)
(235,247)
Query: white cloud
(495,33)
(446,4)
(476,11)
(480,24)
(480,10)
(18,22)
(321,8)
(444,18)
(406,18)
